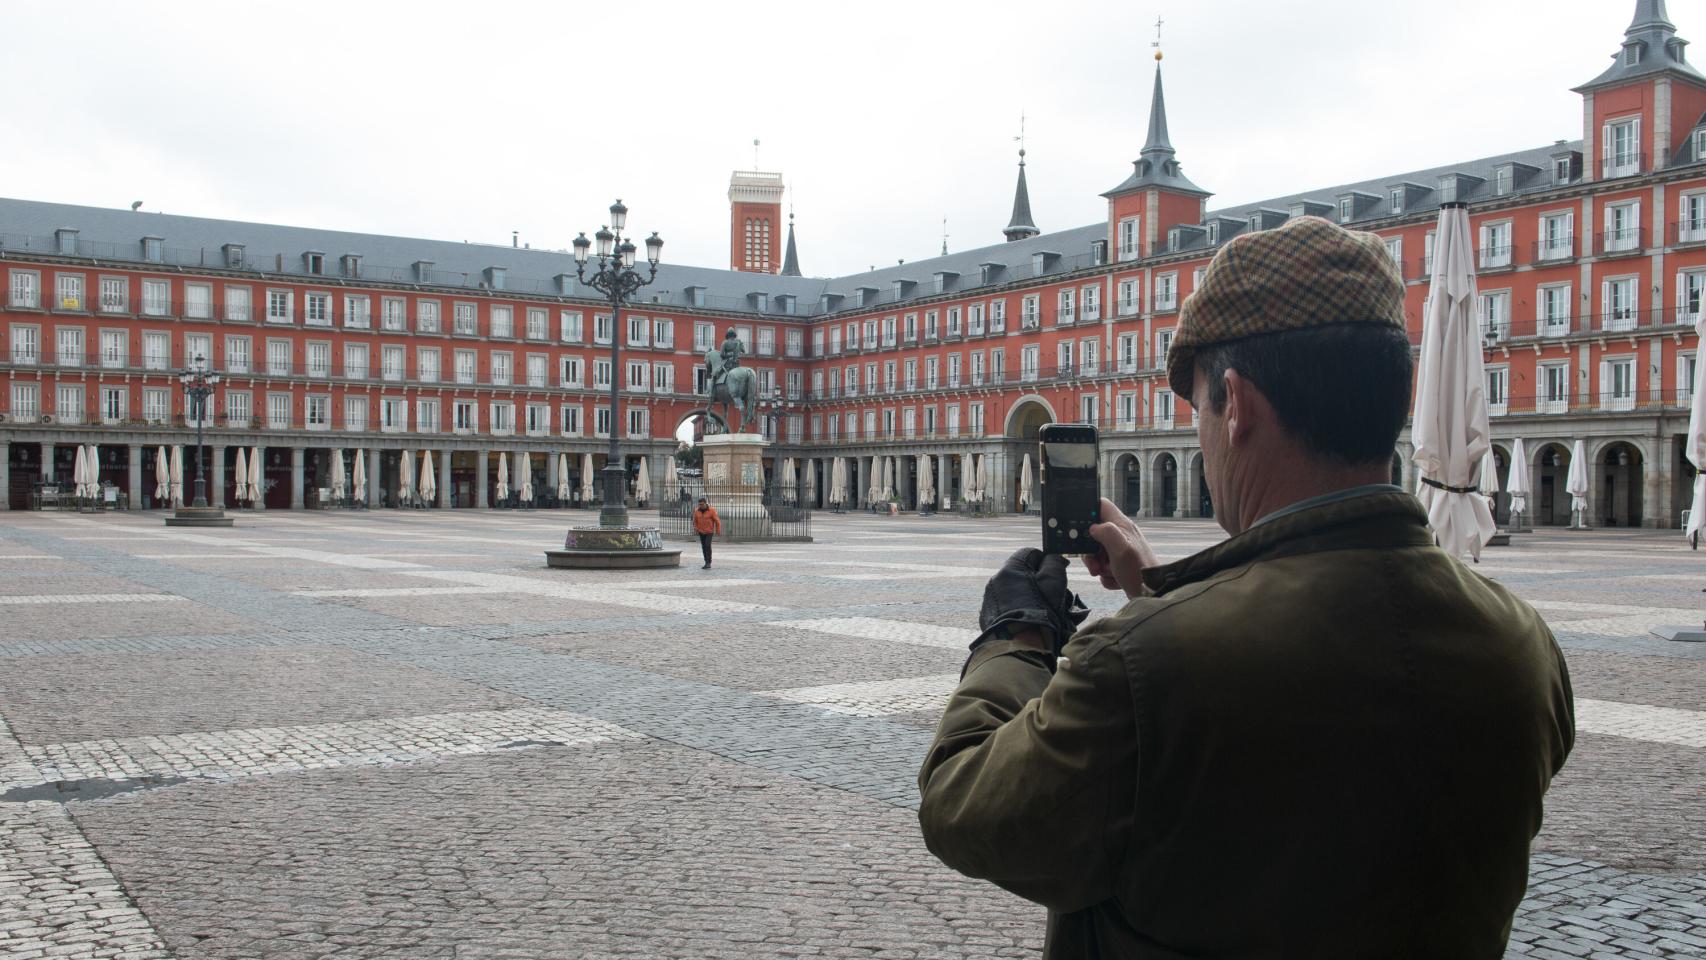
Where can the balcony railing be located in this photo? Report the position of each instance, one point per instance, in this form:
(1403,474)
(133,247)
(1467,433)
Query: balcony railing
(1555,249)
(1627,240)
(1495,258)
(1613,166)
(1688,231)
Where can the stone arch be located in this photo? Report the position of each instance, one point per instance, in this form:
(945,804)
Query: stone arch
(1164,485)
(1502,470)
(1127,491)
(1618,473)
(1026,417)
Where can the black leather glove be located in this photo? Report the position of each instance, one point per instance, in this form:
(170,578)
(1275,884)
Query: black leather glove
(1030,590)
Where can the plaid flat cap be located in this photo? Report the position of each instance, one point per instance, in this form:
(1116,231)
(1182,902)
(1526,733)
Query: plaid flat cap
(1305,273)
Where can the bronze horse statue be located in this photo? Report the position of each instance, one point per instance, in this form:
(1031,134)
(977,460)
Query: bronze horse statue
(738,389)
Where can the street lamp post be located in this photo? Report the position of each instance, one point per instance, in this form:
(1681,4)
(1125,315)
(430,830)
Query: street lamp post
(613,274)
(198,383)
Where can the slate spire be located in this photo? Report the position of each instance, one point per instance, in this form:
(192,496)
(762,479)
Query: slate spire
(1020,226)
(791,259)
(1157,144)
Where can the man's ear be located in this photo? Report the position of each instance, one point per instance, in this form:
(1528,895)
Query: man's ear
(1240,411)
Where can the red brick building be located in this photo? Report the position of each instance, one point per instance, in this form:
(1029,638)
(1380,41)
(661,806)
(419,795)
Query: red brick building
(1592,256)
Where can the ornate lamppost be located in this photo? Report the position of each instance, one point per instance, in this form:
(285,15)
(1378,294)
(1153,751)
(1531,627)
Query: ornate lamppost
(198,381)
(614,275)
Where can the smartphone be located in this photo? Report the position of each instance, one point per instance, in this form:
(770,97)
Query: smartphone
(1071,498)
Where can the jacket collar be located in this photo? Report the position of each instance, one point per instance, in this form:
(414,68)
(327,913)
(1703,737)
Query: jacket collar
(1376,520)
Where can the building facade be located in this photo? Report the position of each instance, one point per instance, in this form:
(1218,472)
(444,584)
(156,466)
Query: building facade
(1591,252)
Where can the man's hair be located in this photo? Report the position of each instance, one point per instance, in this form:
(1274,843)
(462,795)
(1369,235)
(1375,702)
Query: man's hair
(1341,391)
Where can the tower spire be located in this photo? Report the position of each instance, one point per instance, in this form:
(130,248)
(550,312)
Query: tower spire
(1021,225)
(1156,164)
(791,259)
(1650,46)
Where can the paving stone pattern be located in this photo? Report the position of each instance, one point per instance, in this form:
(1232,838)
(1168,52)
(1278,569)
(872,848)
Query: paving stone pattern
(398,735)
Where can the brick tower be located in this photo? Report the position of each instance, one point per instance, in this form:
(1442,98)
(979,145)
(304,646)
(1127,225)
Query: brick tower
(755,221)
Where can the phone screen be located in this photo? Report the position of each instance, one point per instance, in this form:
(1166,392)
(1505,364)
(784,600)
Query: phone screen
(1070,492)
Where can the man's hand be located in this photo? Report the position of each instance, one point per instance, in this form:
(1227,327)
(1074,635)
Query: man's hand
(1030,591)
(1125,553)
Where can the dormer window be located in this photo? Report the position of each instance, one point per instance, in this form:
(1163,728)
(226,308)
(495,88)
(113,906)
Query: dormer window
(65,240)
(1395,202)
(1098,252)
(1632,54)
(1213,233)
(233,255)
(1255,222)
(1297,209)
(1501,181)
(153,249)
(1037,263)
(1700,144)
(1447,189)
(1347,209)
(351,263)
(314,263)
(1561,171)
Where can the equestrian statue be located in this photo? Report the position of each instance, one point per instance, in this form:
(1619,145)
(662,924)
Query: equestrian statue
(731,384)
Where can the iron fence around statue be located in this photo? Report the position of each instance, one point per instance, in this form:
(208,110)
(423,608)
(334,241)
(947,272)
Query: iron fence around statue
(777,514)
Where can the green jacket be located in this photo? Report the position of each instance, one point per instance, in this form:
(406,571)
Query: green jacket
(1321,738)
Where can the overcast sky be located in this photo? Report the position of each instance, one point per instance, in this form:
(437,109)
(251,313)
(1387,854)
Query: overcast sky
(467,121)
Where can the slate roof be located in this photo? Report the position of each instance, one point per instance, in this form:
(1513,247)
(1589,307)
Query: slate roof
(1661,50)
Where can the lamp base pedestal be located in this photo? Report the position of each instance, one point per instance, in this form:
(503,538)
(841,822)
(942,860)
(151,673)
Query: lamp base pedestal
(1682,634)
(200,517)
(613,548)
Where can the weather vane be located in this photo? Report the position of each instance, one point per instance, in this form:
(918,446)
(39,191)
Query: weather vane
(1157,43)
(754,153)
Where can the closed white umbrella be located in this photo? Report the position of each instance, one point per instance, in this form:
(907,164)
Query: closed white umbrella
(643,483)
(162,475)
(838,481)
(811,481)
(94,470)
(503,477)
(80,471)
(429,480)
(983,478)
(242,473)
(257,487)
(786,480)
(177,475)
(337,474)
(1516,483)
(1450,431)
(888,478)
(1694,445)
(1489,482)
(1577,487)
(562,478)
(926,482)
(405,477)
(968,477)
(671,479)
(358,485)
(1025,483)
(586,478)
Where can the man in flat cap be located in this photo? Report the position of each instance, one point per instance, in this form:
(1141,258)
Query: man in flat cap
(1324,737)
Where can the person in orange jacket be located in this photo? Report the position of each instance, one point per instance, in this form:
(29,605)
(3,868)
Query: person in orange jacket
(706,524)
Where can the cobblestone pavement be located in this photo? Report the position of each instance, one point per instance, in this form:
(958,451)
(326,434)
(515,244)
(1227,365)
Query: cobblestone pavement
(398,735)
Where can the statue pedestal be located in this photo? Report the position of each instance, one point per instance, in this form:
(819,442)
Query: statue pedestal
(199,517)
(734,483)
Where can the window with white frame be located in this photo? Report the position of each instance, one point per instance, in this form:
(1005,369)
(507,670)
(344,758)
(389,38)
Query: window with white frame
(427,368)
(1166,291)
(157,298)
(998,366)
(69,292)
(1617,383)
(870,377)
(26,402)
(932,372)
(467,366)
(850,380)
(26,344)
(1395,250)
(537,375)
(68,347)
(427,318)
(393,364)
(601,328)
(1691,218)
(537,320)
(663,377)
(1553,309)
(1129,300)
(1063,358)
(278,357)
(869,336)
(638,332)
(317,309)
(953,321)
(704,337)
(977,368)
(115,295)
(237,355)
(974,320)
(1125,410)
(1495,244)
(1498,390)
(356,362)
(767,339)
(1687,377)
(157,405)
(569,326)
(236,303)
(1622,226)
(636,376)
(502,369)
(280,306)
(1622,146)
(929,324)
(465,416)
(571,370)
(115,350)
(1091,301)
(114,401)
(998,316)
(1618,303)
(1164,409)
(953,371)
(1557,235)
(1163,343)
(953,417)
(1554,392)
(570,414)
(1029,312)
(538,419)
(910,328)
(930,420)
(25,289)
(503,320)
(358,311)
(1029,362)
(888,376)
(355,413)
(502,413)
(393,313)
(1495,315)
(640,422)
(426,416)
(663,334)
(393,414)
(1066,311)
(1690,295)
(1088,409)
(1127,346)
(888,422)
(68,405)
(1089,357)
(464,320)
(317,412)
(1128,238)
(601,374)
